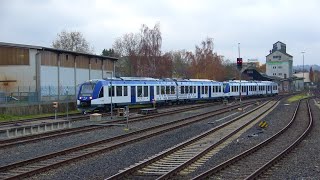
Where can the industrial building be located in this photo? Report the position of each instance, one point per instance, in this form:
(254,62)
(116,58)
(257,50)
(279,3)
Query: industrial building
(46,74)
(279,62)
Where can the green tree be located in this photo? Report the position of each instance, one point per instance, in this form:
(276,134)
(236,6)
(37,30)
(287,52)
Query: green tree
(108,52)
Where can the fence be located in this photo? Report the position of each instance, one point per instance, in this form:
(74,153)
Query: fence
(29,95)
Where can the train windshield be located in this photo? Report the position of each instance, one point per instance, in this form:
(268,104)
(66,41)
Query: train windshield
(87,89)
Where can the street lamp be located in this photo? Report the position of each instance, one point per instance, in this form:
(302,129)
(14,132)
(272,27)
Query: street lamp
(303,65)
(240,69)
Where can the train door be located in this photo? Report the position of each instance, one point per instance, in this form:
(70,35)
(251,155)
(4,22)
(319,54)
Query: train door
(210,91)
(133,94)
(199,92)
(247,89)
(151,93)
(266,88)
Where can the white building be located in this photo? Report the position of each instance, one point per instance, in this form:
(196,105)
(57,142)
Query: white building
(278,62)
(305,76)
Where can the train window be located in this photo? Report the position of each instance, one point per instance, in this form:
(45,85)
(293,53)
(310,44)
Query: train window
(195,89)
(145,91)
(162,90)
(167,89)
(191,90)
(119,90)
(182,89)
(187,89)
(111,91)
(202,89)
(173,90)
(101,92)
(158,90)
(206,89)
(139,90)
(125,90)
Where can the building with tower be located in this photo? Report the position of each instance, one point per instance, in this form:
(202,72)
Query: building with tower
(279,62)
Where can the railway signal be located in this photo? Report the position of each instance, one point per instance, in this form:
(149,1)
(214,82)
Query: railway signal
(239,63)
(55,106)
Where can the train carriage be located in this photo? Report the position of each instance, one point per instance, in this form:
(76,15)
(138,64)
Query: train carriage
(101,93)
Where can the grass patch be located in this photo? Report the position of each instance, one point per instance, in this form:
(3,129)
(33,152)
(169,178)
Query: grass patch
(5,117)
(297,97)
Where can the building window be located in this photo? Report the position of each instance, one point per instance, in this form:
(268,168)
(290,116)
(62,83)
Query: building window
(279,67)
(280,74)
(277,57)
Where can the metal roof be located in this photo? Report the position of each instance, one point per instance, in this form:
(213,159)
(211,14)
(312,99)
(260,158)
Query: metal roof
(57,50)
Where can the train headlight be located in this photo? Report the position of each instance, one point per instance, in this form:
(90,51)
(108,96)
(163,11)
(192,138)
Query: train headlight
(90,97)
(80,98)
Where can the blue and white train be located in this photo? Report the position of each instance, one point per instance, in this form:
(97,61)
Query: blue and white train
(101,93)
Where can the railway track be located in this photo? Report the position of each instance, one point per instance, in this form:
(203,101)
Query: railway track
(257,160)
(15,122)
(72,117)
(71,131)
(42,163)
(191,154)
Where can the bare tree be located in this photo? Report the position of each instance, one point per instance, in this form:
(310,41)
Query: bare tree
(127,48)
(150,49)
(181,63)
(205,64)
(72,41)
(141,52)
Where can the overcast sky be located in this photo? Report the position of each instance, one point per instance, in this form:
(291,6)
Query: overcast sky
(255,24)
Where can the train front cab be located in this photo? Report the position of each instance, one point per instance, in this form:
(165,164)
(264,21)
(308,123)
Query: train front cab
(88,91)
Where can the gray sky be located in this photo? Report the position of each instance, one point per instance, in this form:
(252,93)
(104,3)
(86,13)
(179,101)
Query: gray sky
(255,24)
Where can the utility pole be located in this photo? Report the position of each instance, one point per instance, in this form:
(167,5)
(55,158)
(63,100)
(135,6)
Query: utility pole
(112,93)
(303,67)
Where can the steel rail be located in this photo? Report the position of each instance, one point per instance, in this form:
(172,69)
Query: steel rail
(286,151)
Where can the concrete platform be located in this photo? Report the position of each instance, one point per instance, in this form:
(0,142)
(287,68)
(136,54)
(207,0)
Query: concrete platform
(29,128)
(148,111)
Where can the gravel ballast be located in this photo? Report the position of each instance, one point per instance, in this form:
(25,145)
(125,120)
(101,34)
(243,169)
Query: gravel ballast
(302,163)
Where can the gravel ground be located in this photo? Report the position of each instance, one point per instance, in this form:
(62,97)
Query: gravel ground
(303,162)
(27,151)
(108,164)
